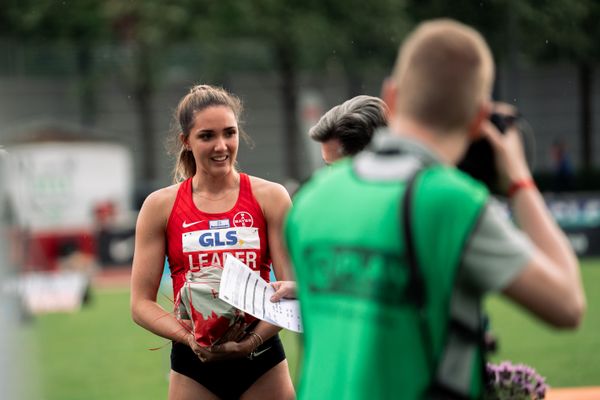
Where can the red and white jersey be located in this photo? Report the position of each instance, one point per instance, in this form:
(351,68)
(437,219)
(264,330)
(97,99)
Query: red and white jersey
(198,241)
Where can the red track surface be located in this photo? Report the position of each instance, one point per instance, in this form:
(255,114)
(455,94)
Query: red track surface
(579,393)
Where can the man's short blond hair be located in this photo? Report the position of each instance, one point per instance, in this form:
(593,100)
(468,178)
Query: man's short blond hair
(443,73)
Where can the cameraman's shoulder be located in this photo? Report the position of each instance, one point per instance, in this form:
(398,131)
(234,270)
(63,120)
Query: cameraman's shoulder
(449,184)
(325,180)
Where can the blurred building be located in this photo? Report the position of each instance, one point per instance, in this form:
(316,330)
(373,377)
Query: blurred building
(69,196)
(548,96)
(63,188)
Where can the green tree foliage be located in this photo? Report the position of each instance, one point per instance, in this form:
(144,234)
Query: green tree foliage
(139,30)
(540,31)
(143,30)
(566,31)
(553,30)
(360,36)
(275,23)
(80,24)
(42,20)
(357,37)
(298,34)
(308,34)
(491,17)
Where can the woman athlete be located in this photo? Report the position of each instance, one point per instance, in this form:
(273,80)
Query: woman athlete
(212,211)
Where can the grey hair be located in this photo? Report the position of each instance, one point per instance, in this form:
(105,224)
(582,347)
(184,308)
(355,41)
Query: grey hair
(352,123)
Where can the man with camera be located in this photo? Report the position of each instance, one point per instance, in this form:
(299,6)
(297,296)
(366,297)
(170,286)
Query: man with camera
(395,249)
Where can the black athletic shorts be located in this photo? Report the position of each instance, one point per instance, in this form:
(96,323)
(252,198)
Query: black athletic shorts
(227,379)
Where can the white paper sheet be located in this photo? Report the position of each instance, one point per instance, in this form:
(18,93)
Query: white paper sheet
(245,289)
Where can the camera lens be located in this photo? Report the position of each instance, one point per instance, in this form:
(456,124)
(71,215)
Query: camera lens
(479,160)
(503,121)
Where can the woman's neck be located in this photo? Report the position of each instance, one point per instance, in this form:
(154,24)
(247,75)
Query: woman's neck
(207,184)
(215,194)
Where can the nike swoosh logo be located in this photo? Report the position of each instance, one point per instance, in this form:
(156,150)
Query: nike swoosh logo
(258,353)
(186,225)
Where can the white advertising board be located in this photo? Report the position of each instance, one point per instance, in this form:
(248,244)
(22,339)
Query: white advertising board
(56,185)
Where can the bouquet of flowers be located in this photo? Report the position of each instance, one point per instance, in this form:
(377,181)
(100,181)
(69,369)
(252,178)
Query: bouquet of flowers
(515,382)
(199,302)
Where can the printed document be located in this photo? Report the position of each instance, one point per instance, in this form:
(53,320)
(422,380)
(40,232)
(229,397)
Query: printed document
(245,289)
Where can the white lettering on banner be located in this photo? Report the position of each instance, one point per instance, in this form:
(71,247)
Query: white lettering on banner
(579,242)
(250,260)
(221,239)
(217,259)
(207,247)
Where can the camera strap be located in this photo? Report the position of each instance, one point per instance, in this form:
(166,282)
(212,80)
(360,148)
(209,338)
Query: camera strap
(453,372)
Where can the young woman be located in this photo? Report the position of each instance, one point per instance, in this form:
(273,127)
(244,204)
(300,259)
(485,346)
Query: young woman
(211,211)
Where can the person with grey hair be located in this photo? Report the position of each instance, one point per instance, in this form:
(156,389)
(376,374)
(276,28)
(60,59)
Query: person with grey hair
(344,130)
(347,128)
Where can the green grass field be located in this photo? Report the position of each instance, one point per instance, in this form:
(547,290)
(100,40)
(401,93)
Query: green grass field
(99,353)
(565,358)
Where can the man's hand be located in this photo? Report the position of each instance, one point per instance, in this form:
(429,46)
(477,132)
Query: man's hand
(511,162)
(283,289)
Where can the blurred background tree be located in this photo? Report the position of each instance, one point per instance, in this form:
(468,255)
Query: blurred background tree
(352,40)
(304,35)
(143,30)
(538,31)
(81,24)
(560,30)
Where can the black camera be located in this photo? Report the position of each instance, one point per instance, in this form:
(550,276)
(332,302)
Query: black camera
(479,160)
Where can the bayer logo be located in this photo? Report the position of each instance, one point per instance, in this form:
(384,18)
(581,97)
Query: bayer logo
(243,218)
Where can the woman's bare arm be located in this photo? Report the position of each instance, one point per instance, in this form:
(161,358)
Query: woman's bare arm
(148,263)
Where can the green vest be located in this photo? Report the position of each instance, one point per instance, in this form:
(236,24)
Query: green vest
(361,335)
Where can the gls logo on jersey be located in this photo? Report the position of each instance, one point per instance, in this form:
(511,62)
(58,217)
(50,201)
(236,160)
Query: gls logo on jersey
(211,239)
(221,239)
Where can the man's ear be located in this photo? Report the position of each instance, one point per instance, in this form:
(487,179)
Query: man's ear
(389,93)
(483,113)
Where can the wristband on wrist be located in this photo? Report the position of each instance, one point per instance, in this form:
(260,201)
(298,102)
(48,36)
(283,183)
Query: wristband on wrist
(518,185)
(256,340)
(260,339)
(189,338)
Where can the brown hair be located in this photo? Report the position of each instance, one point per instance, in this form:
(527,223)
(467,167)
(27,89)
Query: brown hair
(443,72)
(197,99)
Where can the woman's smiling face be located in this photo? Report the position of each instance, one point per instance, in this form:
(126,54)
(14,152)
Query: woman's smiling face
(214,140)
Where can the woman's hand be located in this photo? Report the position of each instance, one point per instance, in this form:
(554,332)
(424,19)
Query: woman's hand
(224,351)
(231,345)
